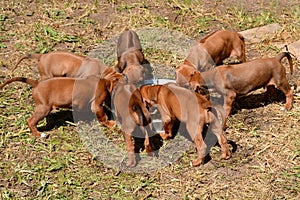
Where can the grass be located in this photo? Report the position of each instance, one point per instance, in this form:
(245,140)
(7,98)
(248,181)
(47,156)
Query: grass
(265,165)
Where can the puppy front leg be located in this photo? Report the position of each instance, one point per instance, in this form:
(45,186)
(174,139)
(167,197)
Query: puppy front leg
(147,142)
(101,116)
(228,101)
(167,128)
(219,133)
(130,149)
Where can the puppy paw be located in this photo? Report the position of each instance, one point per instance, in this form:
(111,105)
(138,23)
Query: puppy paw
(111,123)
(165,136)
(43,135)
(226,155)
(288,107)
(197,162)
(130,164)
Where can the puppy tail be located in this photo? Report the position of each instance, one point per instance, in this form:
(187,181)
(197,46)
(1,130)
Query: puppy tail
(31,82)
(241,37)
(28,56)
(203,39)
(280,56)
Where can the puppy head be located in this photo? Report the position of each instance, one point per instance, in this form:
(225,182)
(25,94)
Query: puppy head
(197,83)
(134,73)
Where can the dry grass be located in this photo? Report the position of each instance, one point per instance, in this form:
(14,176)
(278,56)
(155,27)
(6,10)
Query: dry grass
(264,166)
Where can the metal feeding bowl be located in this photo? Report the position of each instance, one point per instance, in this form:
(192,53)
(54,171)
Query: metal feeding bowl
(158,81)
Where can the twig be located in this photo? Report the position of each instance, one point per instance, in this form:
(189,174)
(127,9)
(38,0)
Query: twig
(145,197)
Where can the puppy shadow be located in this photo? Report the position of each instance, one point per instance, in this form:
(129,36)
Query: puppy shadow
(253,101)
(65,117)
(57,119)
(210,140)
(155,140)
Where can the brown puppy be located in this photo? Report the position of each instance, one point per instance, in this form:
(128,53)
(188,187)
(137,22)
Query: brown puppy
(129,50)
(129,53)
(127,40)
(184,73)
(188,107)
(79,94)
(131,112)
(65,64)
(131,56)
(210,51)
(240,79)
(90,67)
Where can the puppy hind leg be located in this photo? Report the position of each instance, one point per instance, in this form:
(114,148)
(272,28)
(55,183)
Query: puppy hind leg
(228,101)
(199,143)
(102,117)
(168,130)
(289,100)
(39,113)
(130,150)
(147,142)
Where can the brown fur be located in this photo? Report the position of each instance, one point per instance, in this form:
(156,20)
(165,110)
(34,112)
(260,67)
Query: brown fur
(210,51)
(134,73)
(128,39)
(90,67)
(221,45)
(175,102)
(79,94)
(240,79)
(184,73)
(130,54)
(131,112)
(65,64)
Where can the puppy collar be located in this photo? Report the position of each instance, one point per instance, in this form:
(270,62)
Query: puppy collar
(125,77)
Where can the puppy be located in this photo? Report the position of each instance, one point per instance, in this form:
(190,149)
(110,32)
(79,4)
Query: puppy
(177,103)
(79,94)
(128,39)
(129,53)
(240,79)
(210,51)
(65,64)
(131,112)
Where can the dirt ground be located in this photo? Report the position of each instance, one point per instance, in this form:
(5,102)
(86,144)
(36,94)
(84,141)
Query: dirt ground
(265,163)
